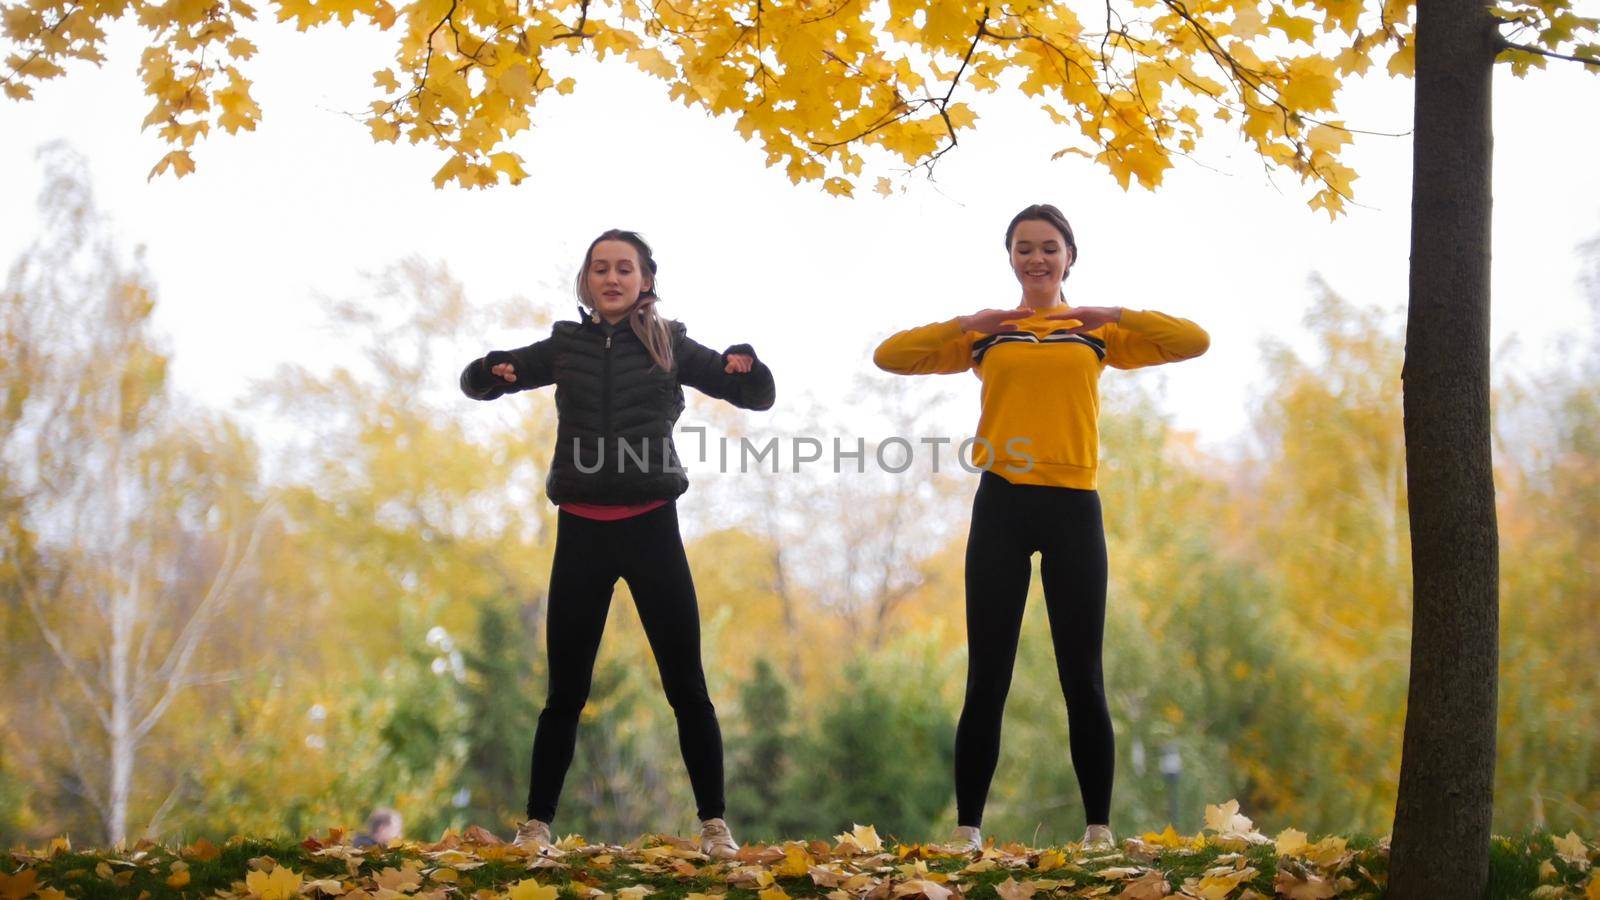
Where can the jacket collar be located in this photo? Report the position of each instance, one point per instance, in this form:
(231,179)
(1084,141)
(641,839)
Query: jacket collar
(587,319)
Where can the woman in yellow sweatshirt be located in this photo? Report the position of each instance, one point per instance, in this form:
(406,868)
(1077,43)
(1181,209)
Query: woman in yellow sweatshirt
(1038,444)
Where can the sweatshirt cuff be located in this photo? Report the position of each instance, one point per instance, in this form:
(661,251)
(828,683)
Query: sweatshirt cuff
(744,349)
(478,381)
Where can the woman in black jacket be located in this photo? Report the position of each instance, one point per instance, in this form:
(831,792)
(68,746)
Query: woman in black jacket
(615,475)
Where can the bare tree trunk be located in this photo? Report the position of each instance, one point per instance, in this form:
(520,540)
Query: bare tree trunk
(1446,794)
(120,736)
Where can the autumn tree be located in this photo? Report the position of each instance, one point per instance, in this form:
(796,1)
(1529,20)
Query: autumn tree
(413,524)
(1548,462)
(137,527)
(760,755)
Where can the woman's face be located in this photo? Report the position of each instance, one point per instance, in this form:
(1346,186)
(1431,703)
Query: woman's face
(614,278)
(1039,256)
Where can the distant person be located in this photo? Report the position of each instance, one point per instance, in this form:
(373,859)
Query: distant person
(619,374)
(383,826)
(1038,443)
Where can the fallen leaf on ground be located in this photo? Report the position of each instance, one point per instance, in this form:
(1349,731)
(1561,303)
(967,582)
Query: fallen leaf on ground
(1012,889)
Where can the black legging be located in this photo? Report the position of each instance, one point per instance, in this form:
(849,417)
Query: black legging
(1010,522)
(647,552)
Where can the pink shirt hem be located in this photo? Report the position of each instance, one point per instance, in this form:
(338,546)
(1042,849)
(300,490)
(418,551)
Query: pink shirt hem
(611,512)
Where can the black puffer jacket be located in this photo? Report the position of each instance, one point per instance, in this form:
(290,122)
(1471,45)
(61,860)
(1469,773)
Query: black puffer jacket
(615,409)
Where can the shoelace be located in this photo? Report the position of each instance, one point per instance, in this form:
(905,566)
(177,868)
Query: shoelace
(716,834)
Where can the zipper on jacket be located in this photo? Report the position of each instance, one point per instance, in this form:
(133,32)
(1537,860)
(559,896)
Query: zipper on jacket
(605,392)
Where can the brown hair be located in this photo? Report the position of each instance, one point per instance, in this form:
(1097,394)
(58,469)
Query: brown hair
(643,318)
(1044,212)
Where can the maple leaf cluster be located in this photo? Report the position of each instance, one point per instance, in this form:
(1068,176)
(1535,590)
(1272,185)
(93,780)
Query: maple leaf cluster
(1228,860)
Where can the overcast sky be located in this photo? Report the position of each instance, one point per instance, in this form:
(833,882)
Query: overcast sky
(308,202)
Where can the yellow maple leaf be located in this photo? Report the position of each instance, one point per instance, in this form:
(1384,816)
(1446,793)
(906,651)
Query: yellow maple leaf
(651,61)
(405,879)
(1168,838)
(1152,885)
(796,861)
(1352,61)
(866,836)
(239,109)
(1295,28)
(1572,849)
(279,884)
(510,164)
(1247,21)
(179,161)
(1215,885)
(922,888)
(961,115)
(1310,85)
(773,893)
(1328,138)
(383,129)
(529,889)
(1326,852)
(15,887)
(1012,889)
(1290,842)
(1224,818)
(454,168)
(1404,61)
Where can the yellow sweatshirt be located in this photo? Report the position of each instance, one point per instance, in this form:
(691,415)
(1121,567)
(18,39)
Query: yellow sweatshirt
(1040,417)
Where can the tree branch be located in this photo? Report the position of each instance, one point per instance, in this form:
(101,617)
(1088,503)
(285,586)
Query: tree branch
(153,830)
(17,70)
(1508,45)
(944,104)
(578,32)
(176,666)
(66,659)
(79,767)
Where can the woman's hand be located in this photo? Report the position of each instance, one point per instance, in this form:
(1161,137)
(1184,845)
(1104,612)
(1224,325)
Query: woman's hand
(738,362)
(991,321)
(1091,317)
(506,371)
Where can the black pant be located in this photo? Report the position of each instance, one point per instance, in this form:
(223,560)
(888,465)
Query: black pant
(1009,523)
(646,551)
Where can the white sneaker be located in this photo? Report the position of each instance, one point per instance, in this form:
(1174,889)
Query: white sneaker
(533,835)
(716,841)
(1098,837)
(965,839)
